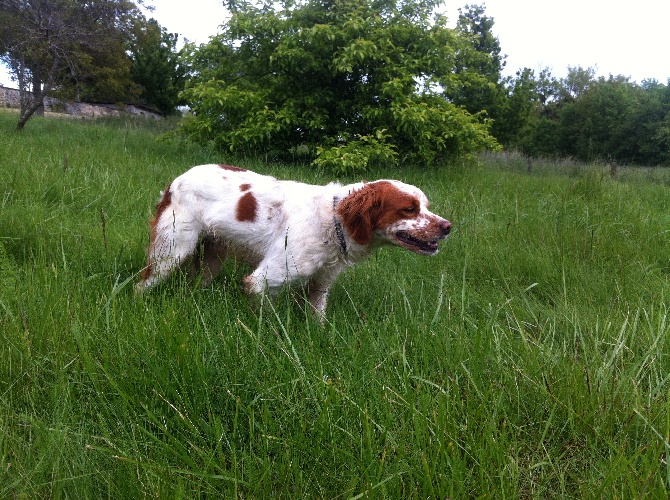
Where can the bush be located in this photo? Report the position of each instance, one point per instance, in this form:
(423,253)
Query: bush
(352,82)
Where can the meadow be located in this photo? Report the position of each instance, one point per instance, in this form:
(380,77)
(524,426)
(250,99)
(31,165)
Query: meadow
(529,359)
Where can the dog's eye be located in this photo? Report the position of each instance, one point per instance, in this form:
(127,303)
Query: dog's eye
(409,210)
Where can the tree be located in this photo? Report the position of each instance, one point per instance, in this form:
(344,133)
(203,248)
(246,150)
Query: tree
(616,120)
(588,118)
(545,133)
(649,126)
(577,81)
(519,100)
(537,136)
(350,82)
(480,69)
(157,66)
(62,43)
(482,88)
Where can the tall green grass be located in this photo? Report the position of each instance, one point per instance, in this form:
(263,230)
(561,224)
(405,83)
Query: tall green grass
(530,358)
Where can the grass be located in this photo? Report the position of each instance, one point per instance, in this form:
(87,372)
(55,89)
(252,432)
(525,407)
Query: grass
(530,358)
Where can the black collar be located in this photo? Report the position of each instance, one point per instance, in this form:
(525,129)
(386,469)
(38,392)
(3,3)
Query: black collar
(338,228)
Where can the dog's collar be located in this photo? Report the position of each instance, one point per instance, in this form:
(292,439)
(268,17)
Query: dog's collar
(339,232)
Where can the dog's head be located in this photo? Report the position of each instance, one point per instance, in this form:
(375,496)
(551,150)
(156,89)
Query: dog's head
(393,212)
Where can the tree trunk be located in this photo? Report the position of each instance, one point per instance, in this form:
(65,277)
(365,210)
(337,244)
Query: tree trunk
(33,105)
(36,101)
(37,91)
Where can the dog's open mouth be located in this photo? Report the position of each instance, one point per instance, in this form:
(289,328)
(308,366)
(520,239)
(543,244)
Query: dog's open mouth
(415,244)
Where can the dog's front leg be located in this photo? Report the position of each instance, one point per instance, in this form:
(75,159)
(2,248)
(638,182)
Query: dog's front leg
(267,277)
(253,284)
(318,300)
(317,294)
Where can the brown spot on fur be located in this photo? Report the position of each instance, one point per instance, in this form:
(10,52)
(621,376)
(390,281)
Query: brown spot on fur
(162,205)
(247,207)
(375,205)
(245,187)
(231,168)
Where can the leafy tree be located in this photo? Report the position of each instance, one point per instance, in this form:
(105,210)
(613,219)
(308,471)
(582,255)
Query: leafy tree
(541,134)
(481,88)
(473,21)
(518,104)
(649,125)
(157,66)
(593,126)
(102,76)
(66,44)
(509,102)
(610,119)
(577,81)
(351,82)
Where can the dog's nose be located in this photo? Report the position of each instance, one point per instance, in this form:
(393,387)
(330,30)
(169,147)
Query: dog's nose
(445,226)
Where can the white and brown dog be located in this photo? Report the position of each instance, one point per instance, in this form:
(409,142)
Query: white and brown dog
(292,233)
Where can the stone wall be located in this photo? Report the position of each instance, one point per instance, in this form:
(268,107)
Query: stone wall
(9,98)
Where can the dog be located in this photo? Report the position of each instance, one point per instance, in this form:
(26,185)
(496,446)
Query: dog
(290,232)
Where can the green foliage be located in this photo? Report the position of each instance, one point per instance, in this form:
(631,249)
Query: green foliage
(528,359)
(357,155)
(334,76)
(591,119)
(158,67)
(481,89)
(518,102)
(595,126)
(576,83)
(71,49)
(104,76)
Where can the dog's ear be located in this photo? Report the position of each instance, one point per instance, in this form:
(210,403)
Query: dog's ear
(360,211)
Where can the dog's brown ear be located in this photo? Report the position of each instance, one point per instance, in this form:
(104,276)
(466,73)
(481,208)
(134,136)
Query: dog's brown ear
(360,211)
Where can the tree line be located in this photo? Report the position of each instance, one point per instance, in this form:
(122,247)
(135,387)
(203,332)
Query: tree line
(97,51)
(344,84)
(607,119)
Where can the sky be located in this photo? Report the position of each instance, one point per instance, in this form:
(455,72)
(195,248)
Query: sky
(619,38)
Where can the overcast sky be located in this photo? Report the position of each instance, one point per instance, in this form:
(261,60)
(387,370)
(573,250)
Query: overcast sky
(628,38)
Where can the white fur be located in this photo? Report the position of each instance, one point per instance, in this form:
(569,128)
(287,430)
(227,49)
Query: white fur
(293,234)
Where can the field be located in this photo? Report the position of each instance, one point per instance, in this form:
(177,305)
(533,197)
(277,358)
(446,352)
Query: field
(529,359)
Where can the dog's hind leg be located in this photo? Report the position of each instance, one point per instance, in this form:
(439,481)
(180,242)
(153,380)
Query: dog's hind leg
(209,258)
